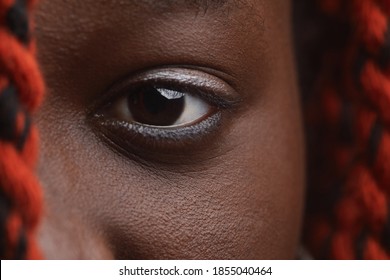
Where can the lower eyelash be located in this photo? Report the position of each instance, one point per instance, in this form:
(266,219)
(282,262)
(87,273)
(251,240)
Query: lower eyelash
(170,134)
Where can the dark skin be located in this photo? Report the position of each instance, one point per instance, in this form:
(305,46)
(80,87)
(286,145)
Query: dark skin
(230,189)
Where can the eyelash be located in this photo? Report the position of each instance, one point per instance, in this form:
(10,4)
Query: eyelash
(153,136)
(136,136)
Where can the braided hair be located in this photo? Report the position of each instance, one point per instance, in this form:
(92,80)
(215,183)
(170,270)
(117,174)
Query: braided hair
(347,116)
(348,212)
(21,91)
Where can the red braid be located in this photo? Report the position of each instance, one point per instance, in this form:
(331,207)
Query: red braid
(352,216)
(21,91)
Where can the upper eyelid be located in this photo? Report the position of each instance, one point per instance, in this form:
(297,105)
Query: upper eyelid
(188,77)
(210,87)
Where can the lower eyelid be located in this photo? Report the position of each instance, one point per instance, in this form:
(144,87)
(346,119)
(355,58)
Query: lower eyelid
(172,134)
(154,145)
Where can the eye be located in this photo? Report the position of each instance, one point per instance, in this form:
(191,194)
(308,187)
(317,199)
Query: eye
(162,107)
(162,111)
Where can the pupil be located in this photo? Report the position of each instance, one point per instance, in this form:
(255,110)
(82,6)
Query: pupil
(149,106)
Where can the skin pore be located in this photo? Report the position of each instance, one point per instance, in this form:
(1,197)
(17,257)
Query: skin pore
(228,185)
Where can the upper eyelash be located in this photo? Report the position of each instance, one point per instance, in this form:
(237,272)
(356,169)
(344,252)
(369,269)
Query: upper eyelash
(162,79)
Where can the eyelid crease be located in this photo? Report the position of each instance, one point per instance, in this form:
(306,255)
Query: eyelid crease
(208,86)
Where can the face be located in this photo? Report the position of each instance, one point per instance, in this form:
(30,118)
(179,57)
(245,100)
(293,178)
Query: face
(170,130)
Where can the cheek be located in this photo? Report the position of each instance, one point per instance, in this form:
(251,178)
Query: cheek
(275,159)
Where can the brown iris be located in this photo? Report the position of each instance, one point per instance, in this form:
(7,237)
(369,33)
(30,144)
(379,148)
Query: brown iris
(155,106)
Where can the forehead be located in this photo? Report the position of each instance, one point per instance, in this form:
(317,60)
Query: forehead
(129,27)
(91,43)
